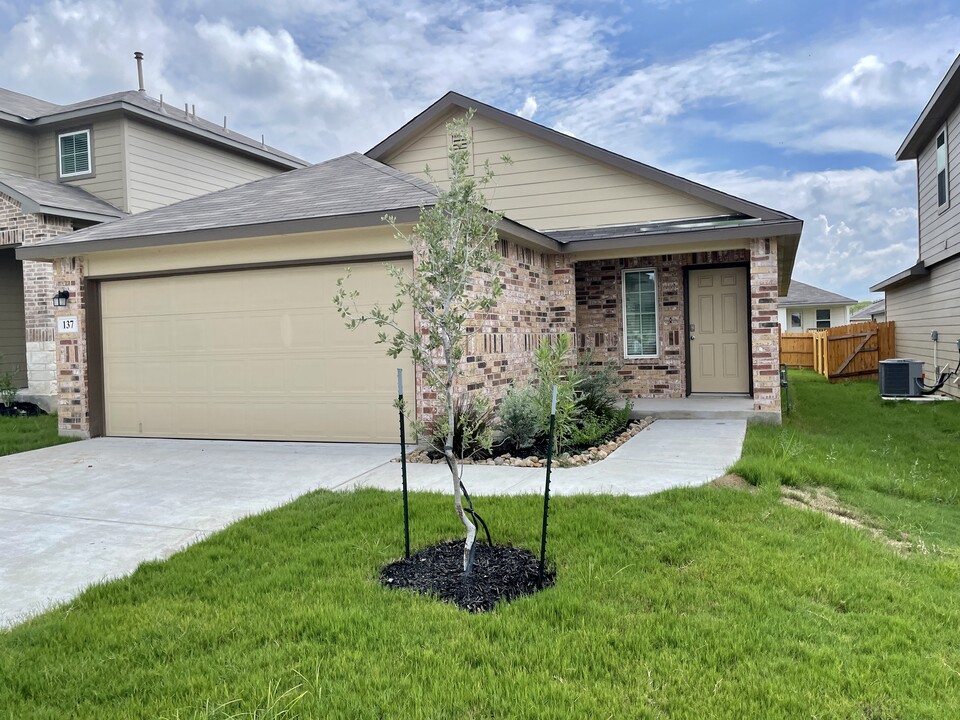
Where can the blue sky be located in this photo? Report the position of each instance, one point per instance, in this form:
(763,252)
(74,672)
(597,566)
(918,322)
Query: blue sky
(796,105)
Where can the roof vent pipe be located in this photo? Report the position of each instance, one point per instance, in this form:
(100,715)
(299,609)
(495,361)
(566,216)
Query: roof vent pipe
(138,56)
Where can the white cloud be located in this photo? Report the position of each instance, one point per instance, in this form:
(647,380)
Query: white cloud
(860,224)
(872,83)
(529,108)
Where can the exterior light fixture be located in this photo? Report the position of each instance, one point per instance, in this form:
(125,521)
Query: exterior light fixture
(60,299)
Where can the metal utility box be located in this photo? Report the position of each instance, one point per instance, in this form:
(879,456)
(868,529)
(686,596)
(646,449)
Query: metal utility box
(901,377)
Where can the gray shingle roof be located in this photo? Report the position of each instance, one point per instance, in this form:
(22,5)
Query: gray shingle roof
(870,310)
(50,197)
(32,110)
(349,185)
(803,294)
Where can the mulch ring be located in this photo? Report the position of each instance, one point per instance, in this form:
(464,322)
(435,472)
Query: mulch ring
(500,573)
(20,409)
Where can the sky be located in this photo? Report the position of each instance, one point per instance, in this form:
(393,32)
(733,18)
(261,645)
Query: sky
(800,106)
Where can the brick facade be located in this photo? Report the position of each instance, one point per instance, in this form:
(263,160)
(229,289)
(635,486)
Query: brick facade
(17,227)
(599,320)
(71,352)
(538,301)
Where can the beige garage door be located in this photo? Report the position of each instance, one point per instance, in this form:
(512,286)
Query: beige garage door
(257,354)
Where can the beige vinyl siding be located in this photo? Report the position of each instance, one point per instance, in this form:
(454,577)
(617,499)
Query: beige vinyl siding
(18,152)
(13,358)
(940,231)
(108,181)
(164,168)
(548,187)
(924,306)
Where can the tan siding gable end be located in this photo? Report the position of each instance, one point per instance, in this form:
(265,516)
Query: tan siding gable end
(548,187)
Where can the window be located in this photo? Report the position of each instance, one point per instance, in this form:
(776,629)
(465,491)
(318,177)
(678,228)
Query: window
(943,186)
(640,313)
(461,144)
(823,318)
(796,320)
(75,154)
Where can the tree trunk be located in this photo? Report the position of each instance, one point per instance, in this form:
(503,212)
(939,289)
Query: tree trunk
(455,474)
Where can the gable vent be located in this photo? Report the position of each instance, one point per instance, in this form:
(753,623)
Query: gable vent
(463,142)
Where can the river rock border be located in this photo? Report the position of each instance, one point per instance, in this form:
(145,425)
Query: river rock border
(587,457)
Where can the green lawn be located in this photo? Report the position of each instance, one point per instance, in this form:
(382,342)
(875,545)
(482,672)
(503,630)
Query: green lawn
(19,434)
(705,603)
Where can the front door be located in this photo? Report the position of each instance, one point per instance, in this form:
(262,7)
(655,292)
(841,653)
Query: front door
(717,324)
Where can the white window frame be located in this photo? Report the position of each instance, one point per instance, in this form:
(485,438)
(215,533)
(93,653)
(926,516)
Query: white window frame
(85,173)
(623,312)
(796,319)
(945,170)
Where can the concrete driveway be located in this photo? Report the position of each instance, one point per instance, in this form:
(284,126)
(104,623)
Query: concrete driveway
(75,514)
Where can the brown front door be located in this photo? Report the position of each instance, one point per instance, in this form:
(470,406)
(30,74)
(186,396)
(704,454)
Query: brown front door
(717,323)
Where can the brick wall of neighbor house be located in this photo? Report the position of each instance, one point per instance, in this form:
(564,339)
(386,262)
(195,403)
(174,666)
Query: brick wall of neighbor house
(538,301)
(599,320)
(17,227)
(71,351)
(765,338)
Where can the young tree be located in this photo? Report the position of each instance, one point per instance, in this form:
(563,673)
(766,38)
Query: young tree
(455,279)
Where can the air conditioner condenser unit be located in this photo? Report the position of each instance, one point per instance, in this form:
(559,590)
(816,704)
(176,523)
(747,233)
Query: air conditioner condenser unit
(901,377)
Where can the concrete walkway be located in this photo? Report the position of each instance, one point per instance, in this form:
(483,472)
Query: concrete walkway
(76,514)
(668,454)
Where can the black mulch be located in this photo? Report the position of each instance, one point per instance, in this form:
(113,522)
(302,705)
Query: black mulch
(500,573)
(20,409)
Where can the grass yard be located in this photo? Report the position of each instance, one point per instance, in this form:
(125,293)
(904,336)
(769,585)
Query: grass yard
(19,434)
(702,603)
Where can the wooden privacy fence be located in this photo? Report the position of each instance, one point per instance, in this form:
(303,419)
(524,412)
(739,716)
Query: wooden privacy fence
(848,351)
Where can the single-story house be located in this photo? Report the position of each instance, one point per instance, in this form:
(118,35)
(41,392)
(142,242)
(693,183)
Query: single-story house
(925,298)
(807,308)
(213,317)
(874,312)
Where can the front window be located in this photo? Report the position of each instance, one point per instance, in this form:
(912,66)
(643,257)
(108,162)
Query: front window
(640,313)
(74,150)
(823,318)
(796,320)
(943,187)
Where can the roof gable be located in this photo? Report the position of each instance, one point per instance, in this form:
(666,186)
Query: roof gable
(803,294)
(944,99)
(453,103)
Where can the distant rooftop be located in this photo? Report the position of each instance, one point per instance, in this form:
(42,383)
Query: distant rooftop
(867,313)
(802,294)
(25,110)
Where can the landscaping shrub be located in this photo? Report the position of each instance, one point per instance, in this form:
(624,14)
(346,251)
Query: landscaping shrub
(472,427)
(596,387)
(520,417)
(593,430)
(551,368)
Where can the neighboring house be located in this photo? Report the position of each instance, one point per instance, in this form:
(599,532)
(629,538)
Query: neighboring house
(67,167)
(925,298)
(213,318)
(874,312)
(807,308)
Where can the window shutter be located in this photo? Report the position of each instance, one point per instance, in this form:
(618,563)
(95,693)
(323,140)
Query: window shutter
(75,153)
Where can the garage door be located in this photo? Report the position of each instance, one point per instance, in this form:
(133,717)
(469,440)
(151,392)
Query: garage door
(257,354)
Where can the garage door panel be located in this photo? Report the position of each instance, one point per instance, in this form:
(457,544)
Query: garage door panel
(257,354)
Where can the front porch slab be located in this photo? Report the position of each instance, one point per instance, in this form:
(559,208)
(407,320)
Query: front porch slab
(703,407)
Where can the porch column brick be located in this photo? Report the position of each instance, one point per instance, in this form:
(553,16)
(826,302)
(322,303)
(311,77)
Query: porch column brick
(764,341)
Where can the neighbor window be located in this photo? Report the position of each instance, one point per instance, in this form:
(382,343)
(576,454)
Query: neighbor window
(823,318)
(75,154)
(943,180)
(640,313)
(796,320)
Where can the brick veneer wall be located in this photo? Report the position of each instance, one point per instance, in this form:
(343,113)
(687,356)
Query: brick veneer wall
(764,336)
(599,320)
(71,352)
(538,301)
(17,227)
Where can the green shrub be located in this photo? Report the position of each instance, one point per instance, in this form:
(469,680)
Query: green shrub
(472,427)
(593,429)
(597,386)
(520,417)
(551,367)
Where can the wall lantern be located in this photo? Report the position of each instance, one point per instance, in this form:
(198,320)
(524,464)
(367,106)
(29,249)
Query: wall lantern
(60,299)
